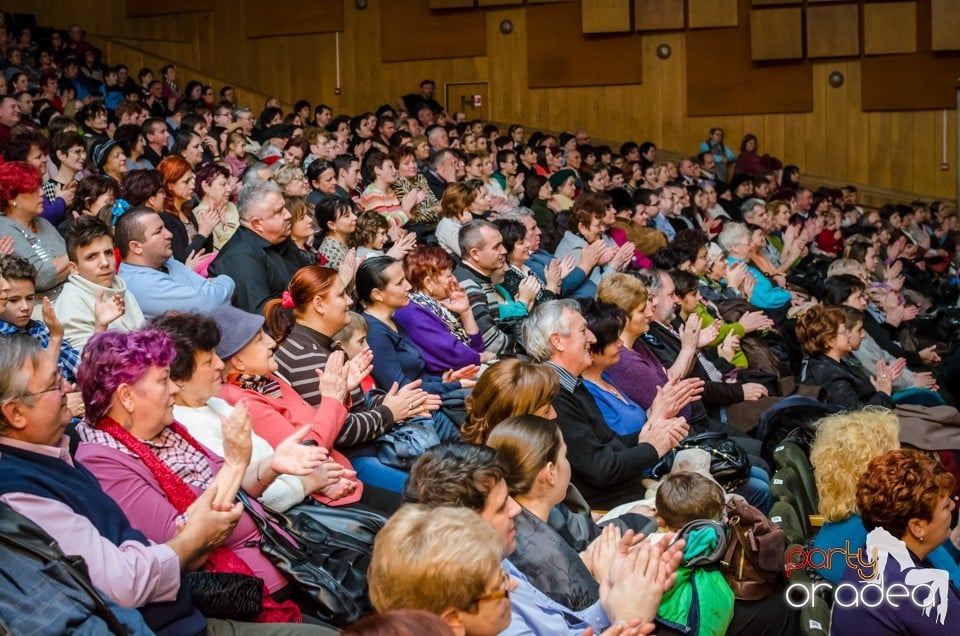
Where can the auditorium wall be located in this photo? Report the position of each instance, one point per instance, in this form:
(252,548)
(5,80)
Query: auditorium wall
(899,150)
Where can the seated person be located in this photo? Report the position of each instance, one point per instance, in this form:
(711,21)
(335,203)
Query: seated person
(202,373)
(515,279)
(16,315)
(683,497)
(844,446)
(94,298)
(305,321)
(471,476)
(583,241)
(158,281)
(483,254)
(736,241)
(904,499)
(572,274)
(40,480)
(606,470)
(445,561)
(538,475)
(438,318)
(383,289)
(259,257)
(157,472)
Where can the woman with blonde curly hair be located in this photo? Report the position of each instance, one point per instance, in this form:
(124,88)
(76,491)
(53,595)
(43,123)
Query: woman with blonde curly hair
(845,445)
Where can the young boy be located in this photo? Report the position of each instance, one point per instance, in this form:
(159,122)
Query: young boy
(15,315)
(94,298)
(683,497)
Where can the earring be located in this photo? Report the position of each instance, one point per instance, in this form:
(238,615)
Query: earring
(921,538)
(13,203)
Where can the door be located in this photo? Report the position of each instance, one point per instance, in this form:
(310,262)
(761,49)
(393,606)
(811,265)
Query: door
(471,98)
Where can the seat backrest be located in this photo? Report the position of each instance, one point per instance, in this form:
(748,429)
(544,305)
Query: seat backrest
(789,454)
(785,515)
(787,485)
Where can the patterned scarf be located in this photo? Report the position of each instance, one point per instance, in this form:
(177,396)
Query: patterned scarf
(262,384)
(179,494)
(451,321)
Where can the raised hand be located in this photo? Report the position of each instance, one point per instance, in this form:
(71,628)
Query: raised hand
(194,259)
(348,268)
(730,346)
(290,457)
(753,392)
(209,524)
(673,396)
(210,218)
(237,437)
(609,251)
(690,333)
(755,321)
(105,311)
(52,322)
(358,369)
(553,275)
(408,401)
(567,265)
(664,434)
(602,550)
(929,355)
(412,199)
(529,288)
(334,377)
(457,302)
(623,256)
(736,274)
(708,334)
(591,255)
(883,380)
(402,247)
(464,373)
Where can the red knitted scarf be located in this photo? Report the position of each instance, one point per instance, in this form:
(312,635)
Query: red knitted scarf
(180,494)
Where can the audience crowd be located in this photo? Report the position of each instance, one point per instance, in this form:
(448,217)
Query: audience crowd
(486,337)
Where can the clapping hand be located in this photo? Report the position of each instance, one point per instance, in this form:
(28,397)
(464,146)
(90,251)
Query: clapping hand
(358,369)
(333,379)
(106,310)
(290,457)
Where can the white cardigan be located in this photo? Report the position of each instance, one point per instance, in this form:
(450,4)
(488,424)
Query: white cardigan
(204,424)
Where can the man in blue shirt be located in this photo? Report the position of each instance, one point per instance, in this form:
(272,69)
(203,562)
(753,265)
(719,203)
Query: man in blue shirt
(471,476)
(158,281)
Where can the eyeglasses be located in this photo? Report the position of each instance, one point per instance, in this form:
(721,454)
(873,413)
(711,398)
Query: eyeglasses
(57,386)
(504,592)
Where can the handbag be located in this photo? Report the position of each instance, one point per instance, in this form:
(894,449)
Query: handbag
(401,447)
(349,526)
(226,595)
(330,576)
(729,463)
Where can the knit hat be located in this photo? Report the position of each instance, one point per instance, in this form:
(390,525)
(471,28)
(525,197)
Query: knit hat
(558,178)
(237,329)
(714,252)
(100,150)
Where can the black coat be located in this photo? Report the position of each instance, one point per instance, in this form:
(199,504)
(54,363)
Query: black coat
(260,270)
(667,348)
(182,246)
(607,471)
(846,382)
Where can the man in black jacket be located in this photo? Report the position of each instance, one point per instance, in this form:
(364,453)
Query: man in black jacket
(607,471)
(259,257)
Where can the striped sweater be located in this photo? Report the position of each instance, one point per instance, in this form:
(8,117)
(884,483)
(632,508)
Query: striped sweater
(301,354)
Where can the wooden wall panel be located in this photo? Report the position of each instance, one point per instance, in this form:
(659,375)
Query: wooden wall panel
(709,14)
(451,4)
(945,18)
(658,15)
(776,34)
(723,79)
(413,32)
(143,8)
(558,54)
(833,30)
(890,27)
(924,80)
(498,3)
(605,16)
(293,17)
(835,139)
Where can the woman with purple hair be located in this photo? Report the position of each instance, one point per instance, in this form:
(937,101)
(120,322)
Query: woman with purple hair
(156,471)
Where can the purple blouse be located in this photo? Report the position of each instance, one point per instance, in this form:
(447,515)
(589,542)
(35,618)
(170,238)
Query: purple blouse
(639,373)
(441,349)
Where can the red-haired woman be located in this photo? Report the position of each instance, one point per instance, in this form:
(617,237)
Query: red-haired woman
(438,318)
(904,500)
(34,238)
(191,235)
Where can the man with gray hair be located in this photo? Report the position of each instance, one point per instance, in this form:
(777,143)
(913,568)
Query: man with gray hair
(483,253)
(260,256)
(442,171)
(605,469)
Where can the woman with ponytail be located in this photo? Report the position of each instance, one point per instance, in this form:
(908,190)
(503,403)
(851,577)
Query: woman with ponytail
(304,321)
